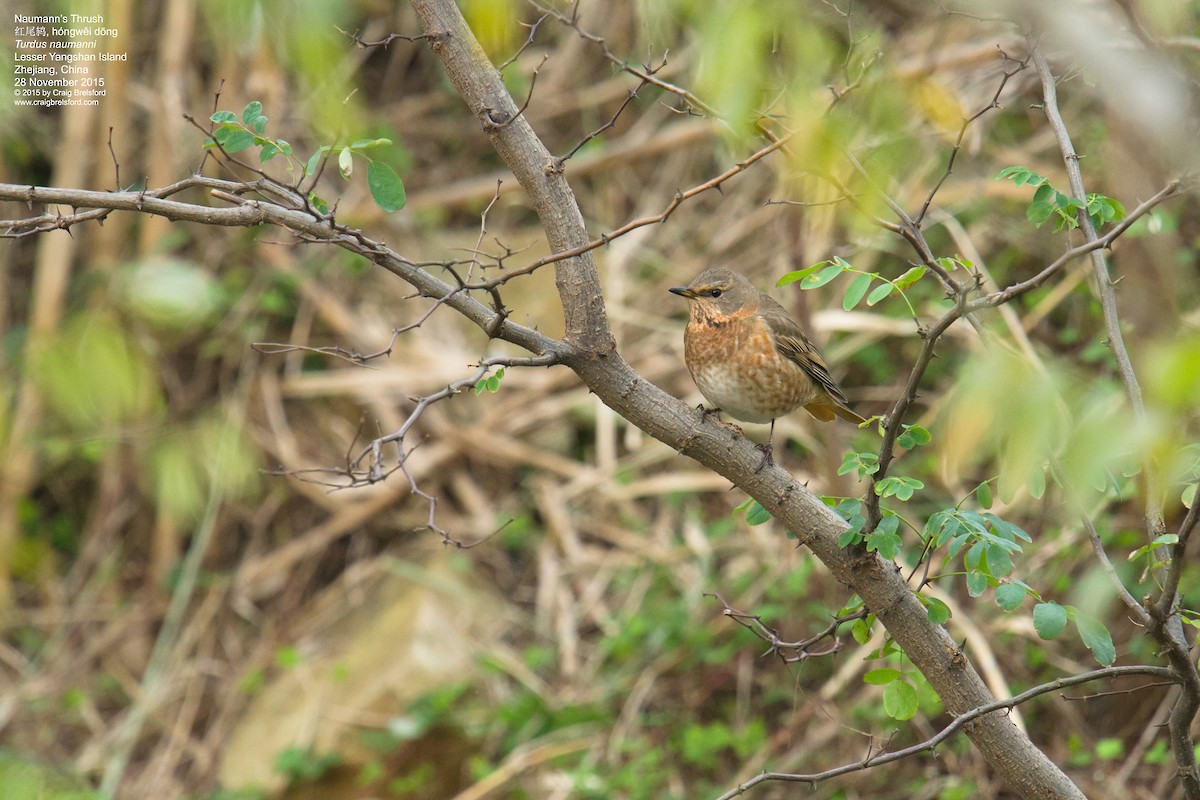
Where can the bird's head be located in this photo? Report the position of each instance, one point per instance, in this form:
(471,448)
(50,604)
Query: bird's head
(719,292)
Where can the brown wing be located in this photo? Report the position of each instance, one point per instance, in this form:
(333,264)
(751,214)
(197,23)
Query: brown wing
(794,345)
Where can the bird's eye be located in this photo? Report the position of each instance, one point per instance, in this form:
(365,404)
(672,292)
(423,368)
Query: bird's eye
(715,293)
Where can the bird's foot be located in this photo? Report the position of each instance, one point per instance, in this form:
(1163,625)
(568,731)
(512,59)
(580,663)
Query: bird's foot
(768,458)
(705,413)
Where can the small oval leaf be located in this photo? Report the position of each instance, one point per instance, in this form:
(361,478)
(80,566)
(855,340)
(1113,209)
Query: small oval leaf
(1096,638)
(386,187)
(821,278)
(854,293)
(1049,619)
(900,700)
(1009,596)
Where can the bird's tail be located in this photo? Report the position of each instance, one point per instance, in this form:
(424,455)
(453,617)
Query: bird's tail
(830,409)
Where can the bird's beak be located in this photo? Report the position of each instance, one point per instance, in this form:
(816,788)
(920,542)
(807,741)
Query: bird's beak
(682,291)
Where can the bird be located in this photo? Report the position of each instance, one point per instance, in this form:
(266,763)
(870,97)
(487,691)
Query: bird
(750,358)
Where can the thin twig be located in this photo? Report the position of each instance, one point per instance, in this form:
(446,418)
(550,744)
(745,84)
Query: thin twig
(612,123)
(533,29)
(993,104)
(604,239)
(116,164)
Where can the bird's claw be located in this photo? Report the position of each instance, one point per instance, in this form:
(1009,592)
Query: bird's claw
(768,458)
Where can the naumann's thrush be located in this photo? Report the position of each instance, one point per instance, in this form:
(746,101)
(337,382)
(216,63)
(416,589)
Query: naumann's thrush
(750,358)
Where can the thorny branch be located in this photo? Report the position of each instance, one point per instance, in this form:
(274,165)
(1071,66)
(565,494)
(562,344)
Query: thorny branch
(644,74)
(929,745)
(966,123)
(790,652)
(335,351)
(387,40)
(533,29)
(612,123)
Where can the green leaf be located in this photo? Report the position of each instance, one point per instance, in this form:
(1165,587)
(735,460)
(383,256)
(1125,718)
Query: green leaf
(1103,209)
(879,292)
(900,700)
(345,162)
(224,116)
(1096,638)
(900,486)
(977,583)
(1049,619)
(251,112)
(999,561)
(318,203)
(1159,541)
(269,151)
(1189,496)
(983,494)
(861,629)
(913,436)
(855,291)
(881,676)
(1042,206)
(821,278)
(886,544)
(1021,176)
(756,514)
(1009,596)
(259,125)
(849,536)
(1007,529)
(366,144)
(386,186)
(800,274)
(974,556)
(311,167)
(939,612)
(864,464)
(234,140)
(909,278)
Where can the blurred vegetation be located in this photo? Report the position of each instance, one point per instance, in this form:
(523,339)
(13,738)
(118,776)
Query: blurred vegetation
(288,641)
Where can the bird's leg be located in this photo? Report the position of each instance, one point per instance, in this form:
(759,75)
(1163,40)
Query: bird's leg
(768,457)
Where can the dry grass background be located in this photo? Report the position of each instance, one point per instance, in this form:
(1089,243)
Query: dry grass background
(321,616)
